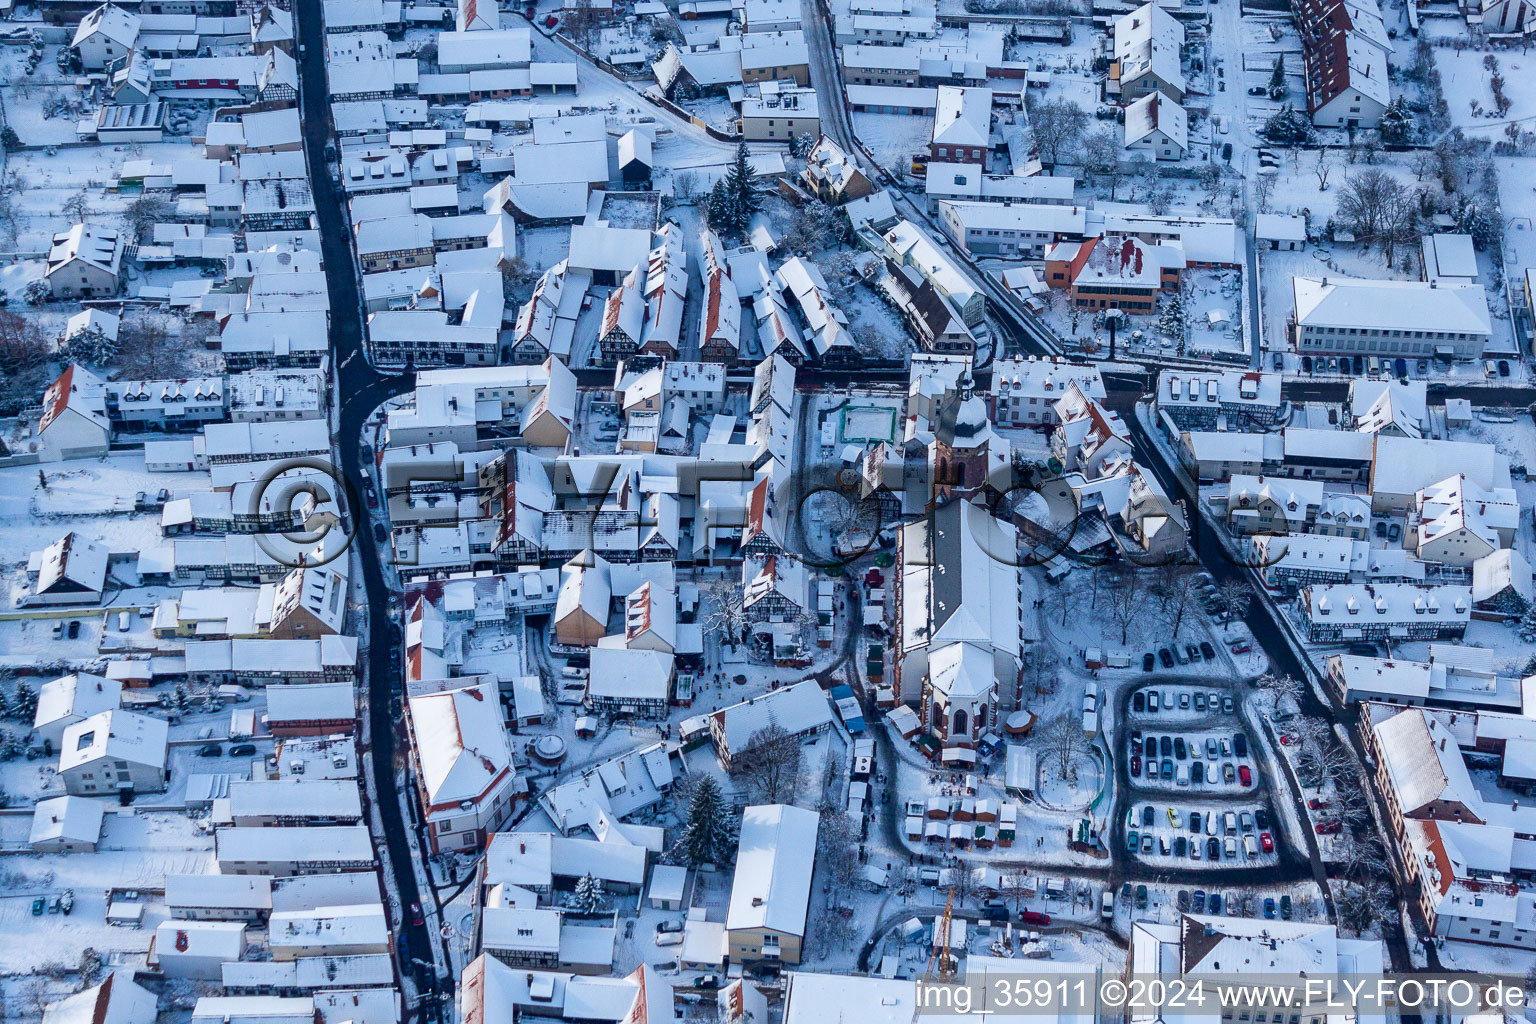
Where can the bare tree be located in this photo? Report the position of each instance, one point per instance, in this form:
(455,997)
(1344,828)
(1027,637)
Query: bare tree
(964,882)
(1238,595)
(770,764)
(145,212)
(685,187)
(1279,688)
(152,348)
(78,206)
(837,852)
(1364,903)
(1057,125)
(1062,740)
(1176,591)
(581,22)
(1041,668)
(1322,168)
(1016,885)
(1127,597)
(1101,155)
(727,614)
(1264,188)
(23,361)
(1357,857)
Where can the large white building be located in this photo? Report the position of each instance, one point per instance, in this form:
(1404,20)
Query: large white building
(114,752)
(1352,316)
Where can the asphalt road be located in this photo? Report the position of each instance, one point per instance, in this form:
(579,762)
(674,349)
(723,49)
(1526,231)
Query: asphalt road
(361,389)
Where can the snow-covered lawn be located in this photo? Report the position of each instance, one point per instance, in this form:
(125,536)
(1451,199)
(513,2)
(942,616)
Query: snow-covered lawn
(894,138)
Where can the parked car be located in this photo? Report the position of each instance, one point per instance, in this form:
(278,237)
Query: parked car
(1394,531)
(1166,657)
(1135,765)
(1269,906)
(1226,701)
(243,750)
(1240,744)
(707,981)
(1242,647)
(1182,900)
(1306,364)
(1139,698)
(1210,655)
(1146,842)
(1197,772)
(1261,817)
(1035,918)
(1165,745)
(210,750)
(1227,773)
(1132,841)
(1200,697)
(1147,815)
(1244,776)
(1167,768)
(1210,747)
(1148,662)
(1213,904)
(74,628)
(1255,90)
(1194,655)
(1285,906)
(1213,848)
(1317,803)
(1180,654)
(417,918)
(1194,821)
(1328,827)
(1267,842)
(1180,846)
(1199,901)
(1179,750)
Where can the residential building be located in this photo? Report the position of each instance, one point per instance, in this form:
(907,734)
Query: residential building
(1413,319)
(467,784)
(1148,45)
(771,890)
(1384,611)
(114,752)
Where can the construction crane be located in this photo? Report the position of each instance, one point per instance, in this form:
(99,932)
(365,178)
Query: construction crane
(941,957)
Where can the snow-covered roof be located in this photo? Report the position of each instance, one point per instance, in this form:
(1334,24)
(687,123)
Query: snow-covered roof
(775,857)
(1356,303)
(461,744)
(798,709)
(622,673)
(121,735)
(116,1000)
(1149,39)
(75,697)
(1156,112)
(963,117)
(74,819)
(1423,761)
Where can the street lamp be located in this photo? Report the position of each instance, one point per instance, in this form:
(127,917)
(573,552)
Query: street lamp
(1112,319)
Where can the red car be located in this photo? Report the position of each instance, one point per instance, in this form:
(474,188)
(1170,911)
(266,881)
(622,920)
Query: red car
(1034,917)
(1267,842)
(551,21)
(1332,826)
(528,12)
(1244,775)
(417,920)
(1242,648)
(1317,803)
(1135,766)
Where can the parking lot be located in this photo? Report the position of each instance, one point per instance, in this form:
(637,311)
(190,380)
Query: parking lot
(1195,791)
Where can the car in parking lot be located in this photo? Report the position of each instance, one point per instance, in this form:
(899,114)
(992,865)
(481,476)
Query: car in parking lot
(1200,701)
(1148,663)
(1244,775)
(1139,698)
(1226,701)
(1180,846)
(1165,745)
(242,750)
(1179,750)
(1166,657)
(1194,655)
(1285,906)
(1207,650)
(1242,647)
(1146,842)
(1240,744)
(1210,747)
(1261,817)
(1328,827)
(1135,765)
(1227,772)
(1183,702)
(1213,848)
(1246,820)
(1267,842)
(1199,901)
(210,750)
(1194,821)
(1146,814)
(1197,772)
(1173,817)
(1132,841)
(1179,653)
(1182,900)
(1269,906)
(1214,903)
(1317,803)
(1167,768)
(1255,90)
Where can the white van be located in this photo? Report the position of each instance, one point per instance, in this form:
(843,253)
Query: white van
(1183,776)
(1250,847)
(1229,822)
(1107,904)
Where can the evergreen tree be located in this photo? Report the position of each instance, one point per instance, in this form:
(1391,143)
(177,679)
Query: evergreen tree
(738,185)
(24,705)
(1288,127)
(181,697)
(718,210)
(1173,319)
(1528,626)
(90,346)
(90,966)
(1277,78)
(5,704)
(1397,125)
(709,835)
(588,896)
